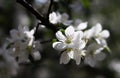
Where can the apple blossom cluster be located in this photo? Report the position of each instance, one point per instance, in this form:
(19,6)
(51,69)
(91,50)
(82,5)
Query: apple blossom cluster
(22,44)
(76,42)
(79,43)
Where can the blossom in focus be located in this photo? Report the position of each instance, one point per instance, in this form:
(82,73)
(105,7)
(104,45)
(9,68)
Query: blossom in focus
(71,44)
(77,42)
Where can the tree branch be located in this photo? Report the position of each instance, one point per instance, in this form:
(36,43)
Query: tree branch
(39,16)
(49,9)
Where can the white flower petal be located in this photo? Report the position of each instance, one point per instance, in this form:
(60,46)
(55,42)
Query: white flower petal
(93,47)
(90,61)
(82,26)
(69,32)
(13,33)
(64,17)
(68,22)
(32,31)
(71,54)
(78,42)
(54,17)
(100,56)
(88,34)
(59,46)
(77,57)
(22,28)
(64,58)
(82,44)
(105,34)
(97,29)
(60,36)
(36,55)
(101,42)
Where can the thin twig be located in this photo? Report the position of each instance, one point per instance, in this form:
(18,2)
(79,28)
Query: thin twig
(36,31)
(30,8)
(49,9)
(39,16)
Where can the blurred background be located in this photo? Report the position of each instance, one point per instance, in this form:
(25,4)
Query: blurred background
(106,12)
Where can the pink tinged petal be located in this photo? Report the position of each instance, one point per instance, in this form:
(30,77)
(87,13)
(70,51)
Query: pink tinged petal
(105,34)
(100,56)
(82,26)
(64,58)
(69,32)
(77,57)
(59,46)
(71,54)
(60,36)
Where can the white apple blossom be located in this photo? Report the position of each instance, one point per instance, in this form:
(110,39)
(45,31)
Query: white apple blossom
(94,54)
(22,47)
(71,44)
(64,19)
(18,34)
(98,34)
(56,17)
(101,35)
(79,25)
(76,43)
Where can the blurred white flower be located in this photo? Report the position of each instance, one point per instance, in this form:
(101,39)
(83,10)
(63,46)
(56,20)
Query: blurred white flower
(64,19)
(22,43)
(18,34)
(8,65)
(101,35)
(94,54)
(97,33)
(81,26)
(56,17)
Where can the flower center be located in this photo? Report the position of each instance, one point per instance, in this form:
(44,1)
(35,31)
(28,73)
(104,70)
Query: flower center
(68,49)
(68,41)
